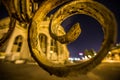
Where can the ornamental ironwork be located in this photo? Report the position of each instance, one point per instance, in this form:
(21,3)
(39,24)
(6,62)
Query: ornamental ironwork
(25,12)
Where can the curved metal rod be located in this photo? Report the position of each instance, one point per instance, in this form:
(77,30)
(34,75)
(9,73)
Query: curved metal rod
(11,24)
(74,31)
(28,9)
(20,9)
(88,7)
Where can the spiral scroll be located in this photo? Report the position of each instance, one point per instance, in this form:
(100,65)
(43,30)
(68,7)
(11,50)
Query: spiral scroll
(72,7)
(24,11)
(18,10)
(11,24)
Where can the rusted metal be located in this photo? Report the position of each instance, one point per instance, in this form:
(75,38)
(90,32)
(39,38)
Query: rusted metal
(88,7)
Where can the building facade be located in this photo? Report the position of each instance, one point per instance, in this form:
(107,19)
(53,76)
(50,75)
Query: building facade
(113,54)
(17,46)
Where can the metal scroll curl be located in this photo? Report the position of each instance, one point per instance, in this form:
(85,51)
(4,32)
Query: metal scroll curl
(87,7)
(12,22)
(18,10)
(24,9)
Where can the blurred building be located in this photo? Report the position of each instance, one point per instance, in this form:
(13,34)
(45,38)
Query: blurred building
(113,54)
(17,46)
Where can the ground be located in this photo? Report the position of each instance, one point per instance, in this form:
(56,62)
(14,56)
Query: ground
(10,71)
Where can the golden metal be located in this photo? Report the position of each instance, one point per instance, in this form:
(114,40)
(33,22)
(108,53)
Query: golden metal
(67,8)
(72,7)
(70,36)
(10,10)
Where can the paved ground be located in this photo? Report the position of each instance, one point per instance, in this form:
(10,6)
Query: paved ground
(10,71)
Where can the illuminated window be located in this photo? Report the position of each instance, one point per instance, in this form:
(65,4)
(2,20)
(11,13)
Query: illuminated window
(43,42)
(17,44)
(53,47)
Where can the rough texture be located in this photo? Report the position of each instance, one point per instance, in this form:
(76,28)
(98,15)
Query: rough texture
(67,8)
(87,7)
(10,10)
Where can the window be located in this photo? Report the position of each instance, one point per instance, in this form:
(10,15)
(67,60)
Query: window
(43,42)
(17,44)
(53,47)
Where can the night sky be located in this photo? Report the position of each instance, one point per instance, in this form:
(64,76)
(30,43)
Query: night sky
(92,35)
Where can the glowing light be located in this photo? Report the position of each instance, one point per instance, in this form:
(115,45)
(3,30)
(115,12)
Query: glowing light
(83,58)
(86,57)
(109,52)
(117,44)
(89,56)
(51,51)
(95,54)
(81,54)
(72,59)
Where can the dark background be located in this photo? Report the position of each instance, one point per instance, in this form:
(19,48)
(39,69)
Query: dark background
(92,34)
